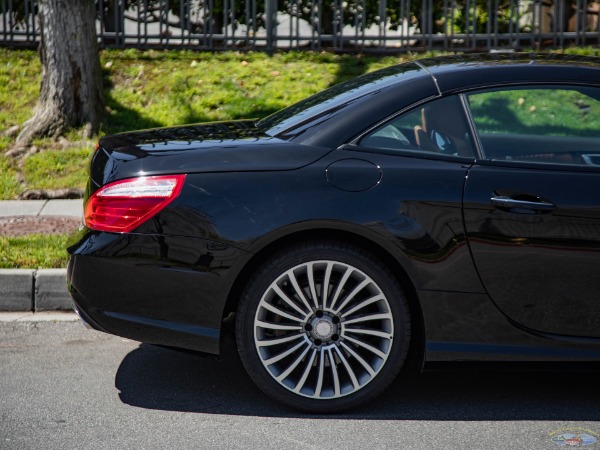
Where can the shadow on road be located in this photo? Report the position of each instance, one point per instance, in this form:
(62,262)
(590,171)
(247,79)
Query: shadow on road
(156,378)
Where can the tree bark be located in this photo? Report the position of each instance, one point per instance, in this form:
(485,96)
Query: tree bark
(71,90)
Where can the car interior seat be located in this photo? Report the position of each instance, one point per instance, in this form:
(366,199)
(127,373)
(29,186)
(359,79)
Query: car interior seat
(443,128)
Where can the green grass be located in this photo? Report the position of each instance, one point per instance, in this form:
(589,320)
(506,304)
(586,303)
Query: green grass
(33,251)
(55,169)
(9,184)
(543,112)
(20,75)
(149,89)
(162,88)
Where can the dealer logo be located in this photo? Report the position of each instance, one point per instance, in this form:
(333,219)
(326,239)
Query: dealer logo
(574,437)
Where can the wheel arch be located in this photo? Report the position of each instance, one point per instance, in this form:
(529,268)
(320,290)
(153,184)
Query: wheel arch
(416,354)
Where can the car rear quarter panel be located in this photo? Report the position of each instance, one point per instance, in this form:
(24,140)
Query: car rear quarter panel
(414,213)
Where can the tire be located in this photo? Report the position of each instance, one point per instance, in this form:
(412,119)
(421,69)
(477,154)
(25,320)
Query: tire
(323,350)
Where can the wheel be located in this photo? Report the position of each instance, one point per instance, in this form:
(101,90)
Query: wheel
(323,327)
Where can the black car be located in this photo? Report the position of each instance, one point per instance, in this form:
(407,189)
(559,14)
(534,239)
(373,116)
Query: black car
(445,209)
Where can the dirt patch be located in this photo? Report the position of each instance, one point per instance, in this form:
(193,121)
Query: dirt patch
(23,225)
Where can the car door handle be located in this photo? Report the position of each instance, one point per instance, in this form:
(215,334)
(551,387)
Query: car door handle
(512,203)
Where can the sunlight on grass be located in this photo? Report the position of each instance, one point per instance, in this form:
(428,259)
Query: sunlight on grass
(543,112)
(33,251)
(146,89)
(172,88)
(9,185)
(20,75)
(55,169)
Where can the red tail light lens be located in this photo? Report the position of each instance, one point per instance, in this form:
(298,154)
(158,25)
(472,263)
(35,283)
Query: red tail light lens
(121,206)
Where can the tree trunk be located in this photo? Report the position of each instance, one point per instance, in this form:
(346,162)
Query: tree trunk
(71,90)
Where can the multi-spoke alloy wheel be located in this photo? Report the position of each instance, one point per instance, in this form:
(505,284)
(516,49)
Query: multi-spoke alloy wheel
(328,325)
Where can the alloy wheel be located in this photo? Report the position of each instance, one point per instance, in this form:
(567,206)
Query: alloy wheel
(323,329)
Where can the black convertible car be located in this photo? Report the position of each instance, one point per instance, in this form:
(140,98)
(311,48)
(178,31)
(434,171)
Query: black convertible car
(445,209)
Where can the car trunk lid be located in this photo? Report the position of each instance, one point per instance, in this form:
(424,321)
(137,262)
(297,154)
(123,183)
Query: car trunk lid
(236,146)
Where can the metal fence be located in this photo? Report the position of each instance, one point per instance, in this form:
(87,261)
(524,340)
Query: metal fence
(338,25)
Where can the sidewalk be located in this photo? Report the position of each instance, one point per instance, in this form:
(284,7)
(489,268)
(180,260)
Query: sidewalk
(30,290)
(65,208)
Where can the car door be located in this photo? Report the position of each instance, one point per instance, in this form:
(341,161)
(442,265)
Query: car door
(423,156)
(532,205)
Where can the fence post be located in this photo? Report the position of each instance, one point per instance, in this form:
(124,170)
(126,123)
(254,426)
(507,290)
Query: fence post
(271,25)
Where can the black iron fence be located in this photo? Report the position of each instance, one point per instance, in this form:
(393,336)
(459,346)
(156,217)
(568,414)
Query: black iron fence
(338,25)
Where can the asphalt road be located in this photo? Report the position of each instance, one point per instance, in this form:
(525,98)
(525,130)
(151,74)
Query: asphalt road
(66,387)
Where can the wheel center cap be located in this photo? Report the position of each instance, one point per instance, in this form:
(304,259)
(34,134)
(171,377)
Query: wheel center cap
(323,329)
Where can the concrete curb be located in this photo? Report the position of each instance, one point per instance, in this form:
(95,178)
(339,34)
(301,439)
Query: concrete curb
(28,290)
(34,290)
(43,316)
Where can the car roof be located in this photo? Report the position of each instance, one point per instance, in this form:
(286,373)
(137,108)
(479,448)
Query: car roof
(335,116)
(470,71)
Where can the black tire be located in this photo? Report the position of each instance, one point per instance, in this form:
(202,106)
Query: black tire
(323,350)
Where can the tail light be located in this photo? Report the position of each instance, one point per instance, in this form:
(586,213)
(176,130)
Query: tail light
(123,205)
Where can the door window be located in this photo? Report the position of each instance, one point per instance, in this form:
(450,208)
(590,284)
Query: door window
(554,125)
(438,127)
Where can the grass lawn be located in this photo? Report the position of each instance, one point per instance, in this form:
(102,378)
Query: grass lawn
(33,251)
(145,90)
(161,88)
(543,112)
(154,89)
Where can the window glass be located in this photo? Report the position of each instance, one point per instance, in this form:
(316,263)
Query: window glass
(544,125)
(335,97)
(438,127)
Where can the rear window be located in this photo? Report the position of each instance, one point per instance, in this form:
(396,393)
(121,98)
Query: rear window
(333,98)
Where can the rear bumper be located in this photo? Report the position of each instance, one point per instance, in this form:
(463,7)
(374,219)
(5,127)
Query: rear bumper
(159,290)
